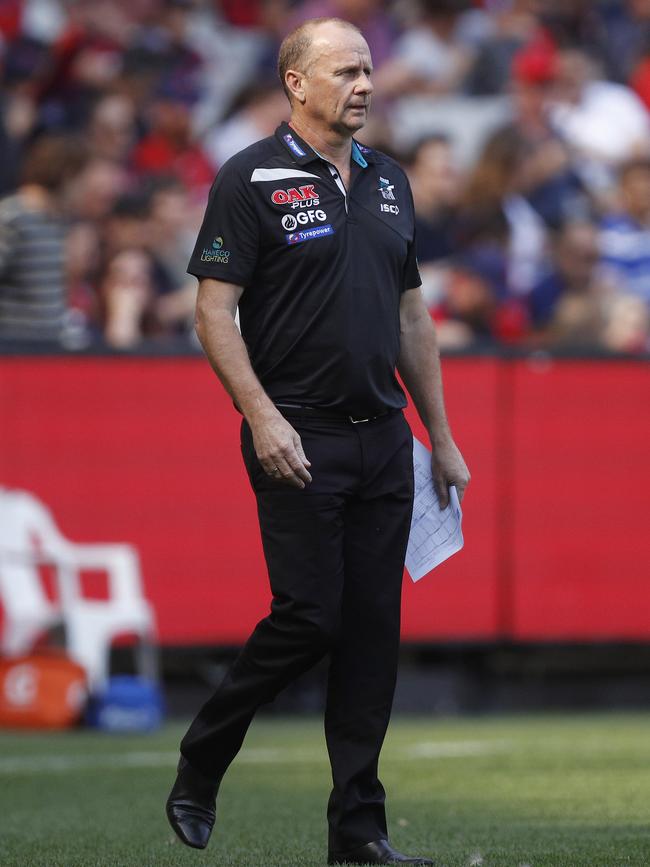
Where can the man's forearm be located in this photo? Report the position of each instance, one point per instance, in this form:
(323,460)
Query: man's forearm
(228,356)
(277,445)
(419,367)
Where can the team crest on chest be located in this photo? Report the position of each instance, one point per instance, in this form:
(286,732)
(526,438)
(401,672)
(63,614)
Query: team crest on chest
(386,189)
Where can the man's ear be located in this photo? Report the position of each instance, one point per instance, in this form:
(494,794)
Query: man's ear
(295,82)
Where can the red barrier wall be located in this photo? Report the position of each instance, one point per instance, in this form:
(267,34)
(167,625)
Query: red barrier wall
(146,450)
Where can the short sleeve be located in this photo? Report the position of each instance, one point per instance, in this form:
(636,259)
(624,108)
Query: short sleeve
(412,277)
(228,241)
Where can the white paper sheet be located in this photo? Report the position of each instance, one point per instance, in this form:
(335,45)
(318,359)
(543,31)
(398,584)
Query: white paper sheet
(435,534)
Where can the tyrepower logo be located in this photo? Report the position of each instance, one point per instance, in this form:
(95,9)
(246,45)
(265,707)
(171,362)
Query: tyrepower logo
(289,222)
(297,197)
(309,234)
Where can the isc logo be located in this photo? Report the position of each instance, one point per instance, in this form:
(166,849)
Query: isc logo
(388,209)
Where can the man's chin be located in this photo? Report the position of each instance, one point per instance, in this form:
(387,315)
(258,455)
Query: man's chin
(354,121)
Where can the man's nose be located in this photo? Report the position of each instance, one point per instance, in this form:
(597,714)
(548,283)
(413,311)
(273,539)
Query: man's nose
(364,85)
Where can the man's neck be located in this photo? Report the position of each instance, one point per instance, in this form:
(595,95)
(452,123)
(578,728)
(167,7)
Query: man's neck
(334,147)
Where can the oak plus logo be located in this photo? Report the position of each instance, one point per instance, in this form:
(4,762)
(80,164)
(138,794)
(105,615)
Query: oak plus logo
(291,222)
(298,197)
(215,254)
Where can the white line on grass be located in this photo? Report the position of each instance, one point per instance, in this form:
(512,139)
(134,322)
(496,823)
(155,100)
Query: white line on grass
(38,764)
(454,749)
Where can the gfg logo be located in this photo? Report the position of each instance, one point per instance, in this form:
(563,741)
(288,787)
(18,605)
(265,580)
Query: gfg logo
(291,222)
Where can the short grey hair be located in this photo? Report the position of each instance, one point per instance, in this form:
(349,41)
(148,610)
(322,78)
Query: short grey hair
(295,46)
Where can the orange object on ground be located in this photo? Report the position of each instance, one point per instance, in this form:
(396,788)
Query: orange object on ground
(46,691)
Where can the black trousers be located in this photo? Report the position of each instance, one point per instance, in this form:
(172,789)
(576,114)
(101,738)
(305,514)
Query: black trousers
(335,555)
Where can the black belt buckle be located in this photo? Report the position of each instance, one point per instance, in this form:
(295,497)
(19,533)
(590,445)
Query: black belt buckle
(370,417)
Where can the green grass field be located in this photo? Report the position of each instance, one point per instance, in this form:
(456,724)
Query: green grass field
(553,791)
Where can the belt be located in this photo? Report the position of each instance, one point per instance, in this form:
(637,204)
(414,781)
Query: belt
(299,411)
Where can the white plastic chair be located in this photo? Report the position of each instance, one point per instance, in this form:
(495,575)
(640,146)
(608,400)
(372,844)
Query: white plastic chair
(28,612)
(91,625)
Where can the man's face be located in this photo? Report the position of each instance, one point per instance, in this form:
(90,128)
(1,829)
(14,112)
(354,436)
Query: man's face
(336,83)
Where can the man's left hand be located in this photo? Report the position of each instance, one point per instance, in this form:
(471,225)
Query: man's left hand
(448,468)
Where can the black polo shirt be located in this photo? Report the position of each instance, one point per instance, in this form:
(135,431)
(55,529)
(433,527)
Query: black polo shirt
(322,268)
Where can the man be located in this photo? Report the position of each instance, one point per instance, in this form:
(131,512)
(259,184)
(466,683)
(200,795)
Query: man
(625,233)
(33,229)
(311,235)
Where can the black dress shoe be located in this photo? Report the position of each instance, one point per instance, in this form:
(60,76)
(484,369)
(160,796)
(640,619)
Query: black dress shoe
(379,852)
(191,806)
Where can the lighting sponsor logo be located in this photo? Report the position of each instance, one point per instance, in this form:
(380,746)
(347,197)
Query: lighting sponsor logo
(386,188)
(215,253)
(388,209)
(289,222)
(300,197)
(295,147)
(309,234)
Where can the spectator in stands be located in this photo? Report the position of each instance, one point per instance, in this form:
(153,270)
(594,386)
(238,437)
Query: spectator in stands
(128,297)
(494,212)
(625,38)
(256,113)
(573,281)
(429,58)
(578,305)
(602,122)
(126,226)
(139,81)
(514,25)
(19,62)
(86,59)
(169,149)
(172,226)
(548,179)
(33,288)
(82,261)
(471,290)
(625,233)
(111,129)
(143,287)
(435,182)
(92,193)
(572,22)
(627,326)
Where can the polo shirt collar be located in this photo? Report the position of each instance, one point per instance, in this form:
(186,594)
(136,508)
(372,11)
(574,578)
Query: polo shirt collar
(357,156)
(304,153)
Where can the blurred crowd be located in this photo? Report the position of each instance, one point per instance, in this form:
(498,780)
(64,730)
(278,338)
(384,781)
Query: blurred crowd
(524,127)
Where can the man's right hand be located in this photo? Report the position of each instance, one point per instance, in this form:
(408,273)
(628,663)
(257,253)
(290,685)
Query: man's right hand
(279,450)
